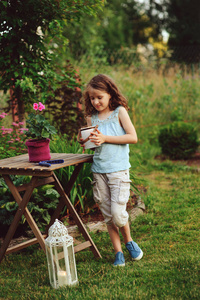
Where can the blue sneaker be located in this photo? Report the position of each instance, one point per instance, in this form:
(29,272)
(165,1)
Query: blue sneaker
(134,250)
(119,260)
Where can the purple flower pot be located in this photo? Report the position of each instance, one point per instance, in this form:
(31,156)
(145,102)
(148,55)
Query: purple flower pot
(38,150)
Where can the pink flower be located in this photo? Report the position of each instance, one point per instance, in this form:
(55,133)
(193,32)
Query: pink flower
(8,130)
(21,123)
(41,106)
(35,106)
(21,130)
(15,124)
(2,115)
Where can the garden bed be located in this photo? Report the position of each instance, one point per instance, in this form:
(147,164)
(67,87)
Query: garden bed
(194,161)
(94,216)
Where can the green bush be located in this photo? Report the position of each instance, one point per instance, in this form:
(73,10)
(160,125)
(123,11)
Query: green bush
(178,140)
(42,204)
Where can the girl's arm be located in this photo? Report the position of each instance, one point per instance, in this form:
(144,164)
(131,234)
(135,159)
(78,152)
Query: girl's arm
(129,138)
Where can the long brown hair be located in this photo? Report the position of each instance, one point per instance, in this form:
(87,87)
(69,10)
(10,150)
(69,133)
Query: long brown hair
(104,83)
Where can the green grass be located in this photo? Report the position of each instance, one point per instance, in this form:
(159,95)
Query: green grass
(168,233)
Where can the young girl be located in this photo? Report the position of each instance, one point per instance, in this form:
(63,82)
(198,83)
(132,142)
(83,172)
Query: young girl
(106,107)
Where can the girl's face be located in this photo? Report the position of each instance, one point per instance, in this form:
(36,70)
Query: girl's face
(99,100)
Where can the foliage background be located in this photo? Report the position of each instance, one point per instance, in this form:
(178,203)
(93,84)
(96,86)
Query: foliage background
(161,83)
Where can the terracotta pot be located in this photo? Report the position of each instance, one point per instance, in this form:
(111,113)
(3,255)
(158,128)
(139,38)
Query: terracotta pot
(38,150)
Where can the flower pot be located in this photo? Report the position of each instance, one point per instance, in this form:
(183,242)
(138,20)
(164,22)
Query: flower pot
(38,150)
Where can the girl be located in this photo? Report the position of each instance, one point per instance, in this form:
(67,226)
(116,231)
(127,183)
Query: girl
(106,107)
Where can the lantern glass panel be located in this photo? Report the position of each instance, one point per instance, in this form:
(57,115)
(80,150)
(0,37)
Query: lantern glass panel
(50,265)
(72,265)
(58,253)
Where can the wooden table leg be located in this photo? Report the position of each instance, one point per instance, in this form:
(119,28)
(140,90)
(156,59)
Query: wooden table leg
(17,217)
(76,217)
(27,214)
(67,190)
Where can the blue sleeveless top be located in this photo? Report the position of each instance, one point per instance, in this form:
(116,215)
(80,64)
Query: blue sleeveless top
(110,158)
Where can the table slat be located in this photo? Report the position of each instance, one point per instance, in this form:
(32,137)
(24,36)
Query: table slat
(21,166)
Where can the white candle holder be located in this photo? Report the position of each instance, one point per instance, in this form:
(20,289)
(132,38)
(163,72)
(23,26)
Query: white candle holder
(60,256)
(85,133)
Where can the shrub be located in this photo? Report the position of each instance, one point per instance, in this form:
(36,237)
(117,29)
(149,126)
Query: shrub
(42,204)
(178,140)
(11,139)
(64,106)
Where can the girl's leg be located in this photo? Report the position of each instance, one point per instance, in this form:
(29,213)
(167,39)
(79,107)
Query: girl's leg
(125,231)
(133,248)
(114,236)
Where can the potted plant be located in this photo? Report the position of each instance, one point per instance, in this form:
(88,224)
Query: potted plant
(40,131)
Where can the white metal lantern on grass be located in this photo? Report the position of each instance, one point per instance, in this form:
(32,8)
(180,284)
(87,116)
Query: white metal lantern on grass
(60,256)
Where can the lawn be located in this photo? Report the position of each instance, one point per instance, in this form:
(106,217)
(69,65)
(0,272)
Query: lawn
(168,233)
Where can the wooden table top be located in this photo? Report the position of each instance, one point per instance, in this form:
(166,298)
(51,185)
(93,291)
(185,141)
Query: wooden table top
(20,165)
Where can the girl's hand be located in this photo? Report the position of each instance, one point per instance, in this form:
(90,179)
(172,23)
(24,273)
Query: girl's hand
(82,145)
(97,137)
(79,139)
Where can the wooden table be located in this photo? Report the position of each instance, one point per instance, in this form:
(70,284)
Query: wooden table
(20,165)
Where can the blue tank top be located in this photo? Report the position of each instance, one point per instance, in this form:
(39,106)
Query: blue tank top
(110,158)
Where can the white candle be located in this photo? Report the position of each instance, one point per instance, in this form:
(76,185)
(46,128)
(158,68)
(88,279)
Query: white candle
(62,278)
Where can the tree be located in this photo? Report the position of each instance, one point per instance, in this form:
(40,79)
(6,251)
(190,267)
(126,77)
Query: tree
(181,19)
(121,23)
(27,66)
(183,25)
